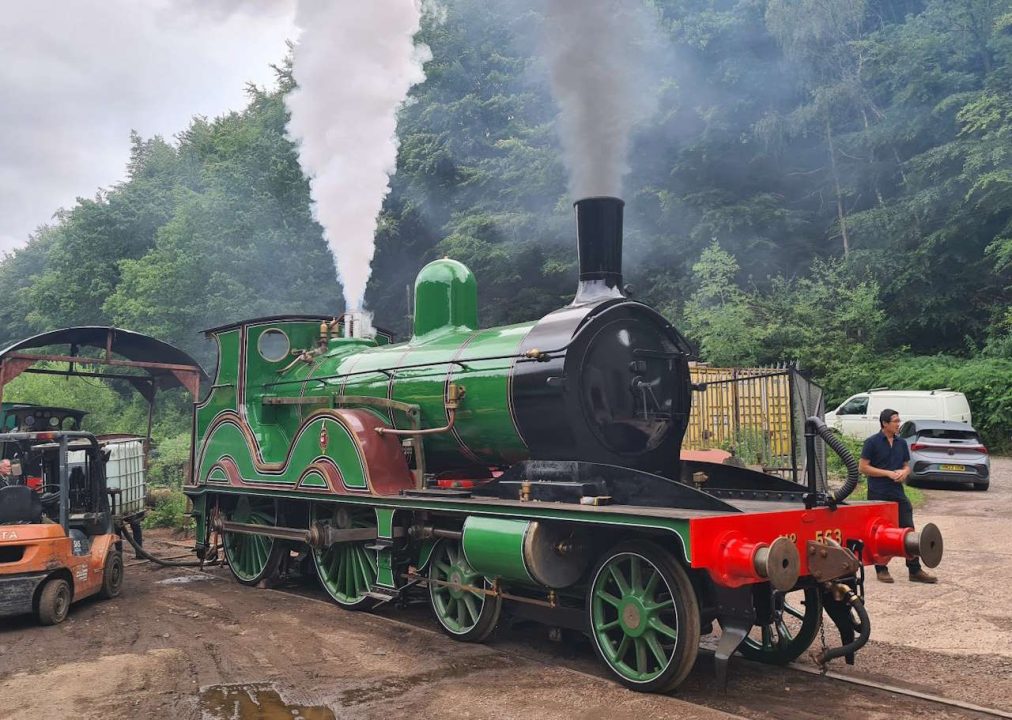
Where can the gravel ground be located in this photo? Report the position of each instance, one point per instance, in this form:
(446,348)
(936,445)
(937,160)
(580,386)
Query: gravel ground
(183,645)
(956,635)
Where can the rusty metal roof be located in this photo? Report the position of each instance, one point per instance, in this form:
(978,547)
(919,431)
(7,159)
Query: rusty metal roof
(157,358)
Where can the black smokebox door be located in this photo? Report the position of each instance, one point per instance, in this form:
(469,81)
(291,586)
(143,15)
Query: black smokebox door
(626,386)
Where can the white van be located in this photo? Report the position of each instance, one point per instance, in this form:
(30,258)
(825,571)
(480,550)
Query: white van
(858,416)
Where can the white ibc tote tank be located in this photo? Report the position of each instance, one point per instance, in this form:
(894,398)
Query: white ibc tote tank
(125,471)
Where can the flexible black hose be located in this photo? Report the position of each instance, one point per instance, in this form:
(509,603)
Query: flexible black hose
(865,632)
(831,439)
(159,561)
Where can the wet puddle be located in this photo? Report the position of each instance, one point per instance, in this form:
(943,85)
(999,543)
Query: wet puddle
(255,702)
(184,579)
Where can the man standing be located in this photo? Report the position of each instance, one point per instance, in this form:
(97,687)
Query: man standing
(885,461)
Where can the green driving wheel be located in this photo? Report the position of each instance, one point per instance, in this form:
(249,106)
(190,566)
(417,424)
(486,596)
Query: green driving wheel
(346,570)
(252,558)
(789,630)
(459,596)
(644,617)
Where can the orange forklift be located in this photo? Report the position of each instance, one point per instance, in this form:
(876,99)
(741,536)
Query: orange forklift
(58,543)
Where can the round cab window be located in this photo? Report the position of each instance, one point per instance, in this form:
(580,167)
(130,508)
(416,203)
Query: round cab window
(273,346)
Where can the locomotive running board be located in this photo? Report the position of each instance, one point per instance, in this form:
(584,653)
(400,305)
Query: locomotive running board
(572,480)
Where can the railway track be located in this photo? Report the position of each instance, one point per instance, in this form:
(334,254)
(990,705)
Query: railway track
(755,691)
(906,692)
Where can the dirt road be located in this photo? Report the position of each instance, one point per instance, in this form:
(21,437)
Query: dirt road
(187,645)
(172,644)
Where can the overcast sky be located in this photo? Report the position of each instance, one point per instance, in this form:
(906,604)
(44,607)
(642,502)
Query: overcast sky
(78,75)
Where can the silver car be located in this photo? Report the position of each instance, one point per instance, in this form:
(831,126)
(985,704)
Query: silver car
(943,451)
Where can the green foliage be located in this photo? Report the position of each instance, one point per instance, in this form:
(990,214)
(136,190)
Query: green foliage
(835,465)
(826,183)
(719,315)
(112,407)
(169,462)
(169,511)
(986,382)
(915,495)
(751,445)
(108,411)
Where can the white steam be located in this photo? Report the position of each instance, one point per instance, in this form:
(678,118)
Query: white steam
(354,64)
(597,58)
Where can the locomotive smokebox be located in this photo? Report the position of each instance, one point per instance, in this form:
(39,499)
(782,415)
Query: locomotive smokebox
(599,240)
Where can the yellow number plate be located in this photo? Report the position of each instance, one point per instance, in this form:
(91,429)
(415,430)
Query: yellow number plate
(829,535)
(952,468)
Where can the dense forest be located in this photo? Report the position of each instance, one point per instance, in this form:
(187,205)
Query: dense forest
(823,183)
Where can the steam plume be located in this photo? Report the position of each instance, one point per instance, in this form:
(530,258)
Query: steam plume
(597,60)
(354,64)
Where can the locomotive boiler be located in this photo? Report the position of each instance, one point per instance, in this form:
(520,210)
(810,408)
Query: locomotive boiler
(532,469)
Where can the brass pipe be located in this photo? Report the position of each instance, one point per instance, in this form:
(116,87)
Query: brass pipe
(454,394)
(304,356)
(451,414)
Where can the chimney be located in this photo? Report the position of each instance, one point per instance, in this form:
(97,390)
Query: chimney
(599,241)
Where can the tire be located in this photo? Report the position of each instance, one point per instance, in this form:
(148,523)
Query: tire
(982,486)
(112,575)
(654,617)
(54,602)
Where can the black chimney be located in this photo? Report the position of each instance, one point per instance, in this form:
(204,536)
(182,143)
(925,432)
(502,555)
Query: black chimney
(599,240)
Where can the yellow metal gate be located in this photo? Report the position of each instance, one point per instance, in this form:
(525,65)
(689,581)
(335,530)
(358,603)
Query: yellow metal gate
(756,413)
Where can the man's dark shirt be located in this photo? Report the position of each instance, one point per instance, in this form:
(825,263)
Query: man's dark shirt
(880,454)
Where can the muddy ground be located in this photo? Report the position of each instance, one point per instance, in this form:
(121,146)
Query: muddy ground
(187,645)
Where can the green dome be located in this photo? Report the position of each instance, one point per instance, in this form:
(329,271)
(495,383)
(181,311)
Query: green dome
(446,296)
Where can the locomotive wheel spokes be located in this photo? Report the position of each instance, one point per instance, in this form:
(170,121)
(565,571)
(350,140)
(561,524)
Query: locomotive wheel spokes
(463,611)
(346,570)
(644,616)
(252,558)
(795,622)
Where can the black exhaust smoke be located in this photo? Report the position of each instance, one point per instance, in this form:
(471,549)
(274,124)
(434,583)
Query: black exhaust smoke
(599,240)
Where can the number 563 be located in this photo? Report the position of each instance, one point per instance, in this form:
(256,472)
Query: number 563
(824,536)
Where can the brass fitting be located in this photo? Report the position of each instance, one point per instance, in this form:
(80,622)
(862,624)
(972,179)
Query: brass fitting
(454,394)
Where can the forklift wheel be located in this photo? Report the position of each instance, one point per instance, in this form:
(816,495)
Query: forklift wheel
(54,602)
(112,576)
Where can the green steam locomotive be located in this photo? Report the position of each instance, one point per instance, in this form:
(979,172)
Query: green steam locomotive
(532,469)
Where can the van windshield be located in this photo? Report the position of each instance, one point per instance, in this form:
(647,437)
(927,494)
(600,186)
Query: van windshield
(854,406)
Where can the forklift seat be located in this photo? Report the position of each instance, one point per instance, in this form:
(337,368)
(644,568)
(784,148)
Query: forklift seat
(19,504)
(90,523)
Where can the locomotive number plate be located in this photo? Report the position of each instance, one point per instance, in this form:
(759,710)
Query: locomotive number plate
(952,468)
(832,534)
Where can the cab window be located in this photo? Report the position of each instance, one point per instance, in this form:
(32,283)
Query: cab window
(854,406)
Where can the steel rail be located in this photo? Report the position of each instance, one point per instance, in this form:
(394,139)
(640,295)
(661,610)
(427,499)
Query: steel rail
(892,689)
(938,699)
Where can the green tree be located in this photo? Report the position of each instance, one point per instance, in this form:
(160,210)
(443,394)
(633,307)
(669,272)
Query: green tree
(720,315)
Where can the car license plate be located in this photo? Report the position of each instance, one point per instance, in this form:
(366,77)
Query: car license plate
(952,468)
